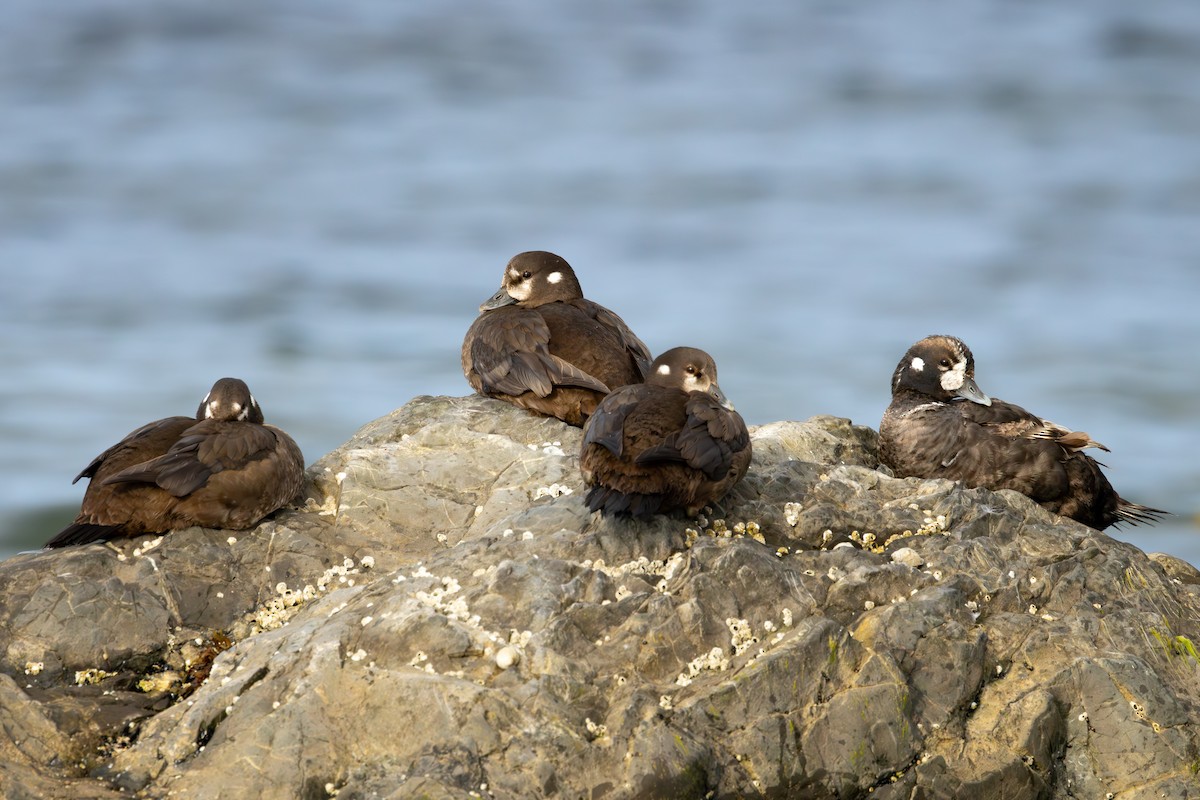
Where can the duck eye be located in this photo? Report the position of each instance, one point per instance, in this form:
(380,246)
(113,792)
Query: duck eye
(526,274)
(944,363)
(691,370)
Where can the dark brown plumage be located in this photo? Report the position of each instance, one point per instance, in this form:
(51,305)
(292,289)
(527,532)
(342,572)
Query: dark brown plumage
(538,344)
(940,425)
(671,443)
(222,469)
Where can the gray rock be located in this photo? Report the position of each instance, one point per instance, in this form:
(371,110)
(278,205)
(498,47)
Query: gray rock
(832,632)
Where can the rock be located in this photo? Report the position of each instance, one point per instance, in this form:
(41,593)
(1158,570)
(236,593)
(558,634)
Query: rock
(444,618)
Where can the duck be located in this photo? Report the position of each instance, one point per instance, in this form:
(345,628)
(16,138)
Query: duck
(222,468)
(672,443)
(540,345)
(939,424)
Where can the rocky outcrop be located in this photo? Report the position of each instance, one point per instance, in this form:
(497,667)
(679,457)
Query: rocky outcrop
(444,619)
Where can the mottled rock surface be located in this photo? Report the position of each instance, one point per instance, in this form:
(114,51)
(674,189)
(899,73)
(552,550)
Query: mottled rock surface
(444,619)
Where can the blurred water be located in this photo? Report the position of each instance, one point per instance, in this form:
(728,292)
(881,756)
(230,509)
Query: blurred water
(316,198)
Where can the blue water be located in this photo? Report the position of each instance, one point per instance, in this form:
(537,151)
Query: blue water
(315,197)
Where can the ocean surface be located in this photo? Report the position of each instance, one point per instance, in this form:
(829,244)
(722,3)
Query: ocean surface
(316,197)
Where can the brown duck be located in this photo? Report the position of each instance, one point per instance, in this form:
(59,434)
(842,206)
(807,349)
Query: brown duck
(940,425)
(222,469)
(538,344)
(672,443)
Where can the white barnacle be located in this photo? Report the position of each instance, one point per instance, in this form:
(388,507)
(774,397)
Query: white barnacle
(507,656)
(596,730)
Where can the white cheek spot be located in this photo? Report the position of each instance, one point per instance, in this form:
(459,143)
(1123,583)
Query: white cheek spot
(918,364)
(519,291)
(210,408)
(954,379)
(554,277)
(244,411)
(663,369)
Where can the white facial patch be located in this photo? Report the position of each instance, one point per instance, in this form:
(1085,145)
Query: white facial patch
(243,411)
(954,379)
(210,408)
(918,364)
(518,289)
(554,277)
(663,369)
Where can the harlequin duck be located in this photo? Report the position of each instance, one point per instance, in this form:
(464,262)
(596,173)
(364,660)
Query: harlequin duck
(671,443)
(222,469)
(538,344)
(940,425)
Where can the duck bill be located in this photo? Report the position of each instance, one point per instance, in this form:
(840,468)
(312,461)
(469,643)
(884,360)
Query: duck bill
(970,391)
(498,300)
(720,397)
